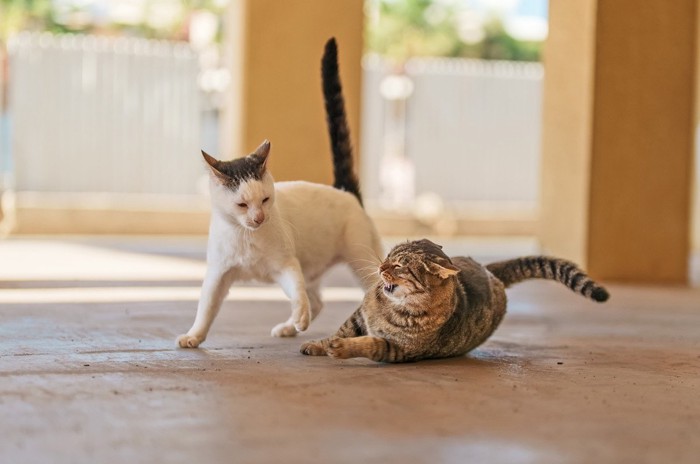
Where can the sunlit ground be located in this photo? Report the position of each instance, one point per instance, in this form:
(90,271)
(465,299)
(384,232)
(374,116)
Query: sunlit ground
(89,370)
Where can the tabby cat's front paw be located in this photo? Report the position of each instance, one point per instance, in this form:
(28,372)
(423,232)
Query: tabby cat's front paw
(189,341)
(339,349)
(312,348)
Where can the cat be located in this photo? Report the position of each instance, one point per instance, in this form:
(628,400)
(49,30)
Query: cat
(426,305)
(285,232)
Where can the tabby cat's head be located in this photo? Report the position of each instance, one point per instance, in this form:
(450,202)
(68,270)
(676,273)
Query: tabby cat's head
(243,189)
(413,269)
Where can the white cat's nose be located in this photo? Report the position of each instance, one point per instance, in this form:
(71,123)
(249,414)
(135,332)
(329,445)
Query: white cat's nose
(259,218)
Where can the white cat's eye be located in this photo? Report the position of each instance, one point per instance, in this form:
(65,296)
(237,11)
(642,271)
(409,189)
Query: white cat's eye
(242,205)
(265,199)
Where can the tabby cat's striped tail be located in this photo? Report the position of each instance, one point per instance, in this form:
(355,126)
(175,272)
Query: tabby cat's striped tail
(343,172)
(542,267)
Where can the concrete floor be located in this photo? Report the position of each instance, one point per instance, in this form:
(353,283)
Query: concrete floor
(89,372)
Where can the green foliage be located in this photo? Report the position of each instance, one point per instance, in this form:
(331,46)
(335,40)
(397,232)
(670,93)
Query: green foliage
(18,15)
(39,15)
(413,28)
(498,45)
(400,29)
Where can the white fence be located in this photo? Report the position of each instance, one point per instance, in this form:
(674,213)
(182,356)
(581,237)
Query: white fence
(124,116)
(104,115)
(472,129)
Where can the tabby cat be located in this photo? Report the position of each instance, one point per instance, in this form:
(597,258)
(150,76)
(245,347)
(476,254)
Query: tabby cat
(426,305)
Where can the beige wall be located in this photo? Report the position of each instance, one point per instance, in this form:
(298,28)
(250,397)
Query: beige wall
(644,131)
(566,138)
(618,136)
(695,210)
(275,48)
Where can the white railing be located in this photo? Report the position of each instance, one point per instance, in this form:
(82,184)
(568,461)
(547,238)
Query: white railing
(93,114)
(472,129)
(122,115)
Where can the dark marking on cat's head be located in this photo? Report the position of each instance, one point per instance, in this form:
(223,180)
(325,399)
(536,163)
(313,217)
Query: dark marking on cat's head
(232,173)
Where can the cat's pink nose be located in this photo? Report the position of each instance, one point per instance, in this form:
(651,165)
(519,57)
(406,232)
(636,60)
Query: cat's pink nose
(259,218)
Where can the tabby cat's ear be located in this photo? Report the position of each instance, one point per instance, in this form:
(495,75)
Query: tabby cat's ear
(263,153)
(213,164)
(443,270)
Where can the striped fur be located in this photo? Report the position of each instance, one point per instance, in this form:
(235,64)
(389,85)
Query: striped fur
(353,327)
(544,267)
(427,305)
(343,169)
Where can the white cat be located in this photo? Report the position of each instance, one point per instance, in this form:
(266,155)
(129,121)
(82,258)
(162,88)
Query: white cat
(285,232)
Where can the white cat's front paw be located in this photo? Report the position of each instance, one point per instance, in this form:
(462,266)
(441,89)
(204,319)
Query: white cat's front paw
(285,329)
(189,341)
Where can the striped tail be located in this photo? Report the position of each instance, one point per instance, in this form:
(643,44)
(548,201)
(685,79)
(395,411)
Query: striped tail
(542,267)
(343,171)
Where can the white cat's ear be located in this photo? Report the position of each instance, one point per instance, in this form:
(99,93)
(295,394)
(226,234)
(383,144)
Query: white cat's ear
(213,164)
(263,152)
(444,270)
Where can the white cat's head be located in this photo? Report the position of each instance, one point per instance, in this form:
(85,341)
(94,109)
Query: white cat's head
(242,189)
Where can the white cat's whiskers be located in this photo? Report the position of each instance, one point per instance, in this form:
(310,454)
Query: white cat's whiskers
(247,236)
(290,224)
(285,232)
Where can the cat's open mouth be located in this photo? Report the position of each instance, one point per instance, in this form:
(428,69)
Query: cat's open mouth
(389,288)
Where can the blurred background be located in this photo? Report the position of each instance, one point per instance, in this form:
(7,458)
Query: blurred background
(106,104)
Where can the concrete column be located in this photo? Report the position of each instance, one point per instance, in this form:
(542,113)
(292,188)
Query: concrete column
(618,137)
(695,209)
(274,50)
